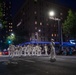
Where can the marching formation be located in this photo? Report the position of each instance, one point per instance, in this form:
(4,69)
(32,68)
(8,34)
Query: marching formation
(26,50)
(32,50)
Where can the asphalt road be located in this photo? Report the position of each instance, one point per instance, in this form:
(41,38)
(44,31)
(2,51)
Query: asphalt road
(64,65)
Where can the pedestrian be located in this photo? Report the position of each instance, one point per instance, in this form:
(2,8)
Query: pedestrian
(52,53)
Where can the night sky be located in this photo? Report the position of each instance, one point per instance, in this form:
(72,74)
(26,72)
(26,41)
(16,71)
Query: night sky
(16,4)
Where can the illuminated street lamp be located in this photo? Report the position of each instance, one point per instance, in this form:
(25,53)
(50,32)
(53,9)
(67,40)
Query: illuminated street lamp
(52,16)
(12,34)
(52,13)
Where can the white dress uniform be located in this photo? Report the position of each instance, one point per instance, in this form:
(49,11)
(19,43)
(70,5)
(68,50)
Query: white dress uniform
(38,50)
(11,49)
(25,50)
(52,54)
(34,50)
(28,49)
(46,49)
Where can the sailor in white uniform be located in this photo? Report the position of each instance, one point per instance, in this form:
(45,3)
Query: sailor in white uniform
(52,54)
(46,49)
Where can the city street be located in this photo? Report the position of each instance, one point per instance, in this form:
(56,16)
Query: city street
(37,37)
(38,65)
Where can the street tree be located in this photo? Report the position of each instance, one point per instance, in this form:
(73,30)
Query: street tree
(69,25)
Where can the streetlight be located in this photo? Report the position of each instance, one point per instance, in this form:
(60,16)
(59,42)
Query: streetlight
(52,13)
(12,34)
(52,16)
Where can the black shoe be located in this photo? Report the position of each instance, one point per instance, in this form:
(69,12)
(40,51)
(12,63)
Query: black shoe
(53,60)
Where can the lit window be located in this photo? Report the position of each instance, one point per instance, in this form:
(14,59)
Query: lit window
(35,22)
(52,35)
(61,13)
(55,34)
(35,12)
(10,26)
(11,30)
(9,23)
(40,23)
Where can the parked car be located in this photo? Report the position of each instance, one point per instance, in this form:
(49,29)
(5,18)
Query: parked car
(5,52)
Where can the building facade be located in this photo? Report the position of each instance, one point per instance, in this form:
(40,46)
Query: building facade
(33,20)
(7,26)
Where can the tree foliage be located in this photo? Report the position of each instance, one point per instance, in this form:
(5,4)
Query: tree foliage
(1,10)
(69,25)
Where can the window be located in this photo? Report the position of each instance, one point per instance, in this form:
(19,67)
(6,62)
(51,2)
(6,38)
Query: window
(52,35)
(35,22)
(35,12)
(61,13)
(11,23)
(11,30)
(40,23)
(10,26)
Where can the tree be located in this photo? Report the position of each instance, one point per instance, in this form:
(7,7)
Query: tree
(10,38)
(69,25)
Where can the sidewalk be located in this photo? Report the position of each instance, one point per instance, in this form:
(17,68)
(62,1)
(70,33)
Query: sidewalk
(4,56)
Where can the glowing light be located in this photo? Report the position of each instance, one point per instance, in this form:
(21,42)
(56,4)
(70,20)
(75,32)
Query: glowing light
(39,30)
(12,34)
(51,13)
(72,41)
(0,53)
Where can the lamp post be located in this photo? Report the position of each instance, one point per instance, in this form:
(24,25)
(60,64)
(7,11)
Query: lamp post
(52,16)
